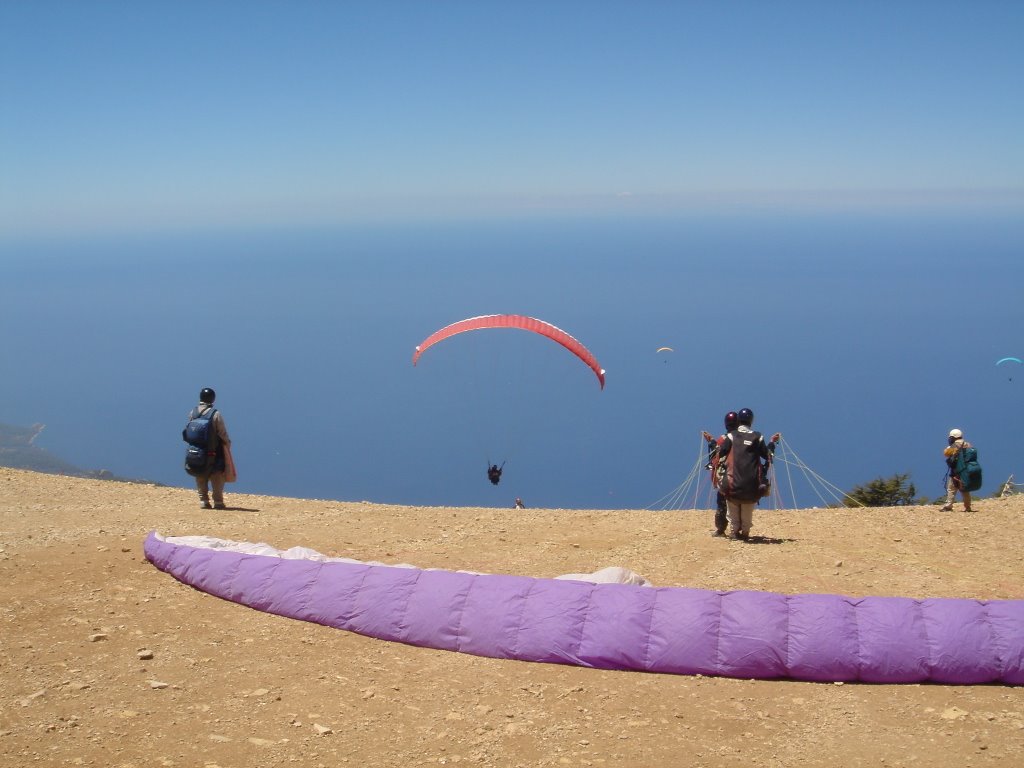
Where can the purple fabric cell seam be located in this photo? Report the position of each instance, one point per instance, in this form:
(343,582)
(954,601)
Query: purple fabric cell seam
(718,631)
(929,648)
(362,584)
(519,623)
(858,636)
(1001,657)
(789,622)
(583,623)
(650,623)
(271,572)
(307,596)
(462,612)
(404,613)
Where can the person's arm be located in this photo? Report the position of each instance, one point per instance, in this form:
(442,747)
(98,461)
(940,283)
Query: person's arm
(712,448)
(725,446)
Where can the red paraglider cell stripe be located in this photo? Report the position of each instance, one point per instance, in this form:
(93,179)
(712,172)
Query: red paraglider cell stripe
(523,322)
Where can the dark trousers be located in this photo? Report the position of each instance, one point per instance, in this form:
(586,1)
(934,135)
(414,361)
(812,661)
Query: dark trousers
(721,514)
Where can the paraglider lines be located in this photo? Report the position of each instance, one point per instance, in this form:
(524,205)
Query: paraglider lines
(676,498)
(686,495)
(818,481)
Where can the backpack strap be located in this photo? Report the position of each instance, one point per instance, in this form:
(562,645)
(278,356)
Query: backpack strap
(207,415)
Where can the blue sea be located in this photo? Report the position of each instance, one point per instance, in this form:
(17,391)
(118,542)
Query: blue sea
(863,338)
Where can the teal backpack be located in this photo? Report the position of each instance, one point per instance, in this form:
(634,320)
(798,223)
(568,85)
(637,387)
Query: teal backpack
(967,469)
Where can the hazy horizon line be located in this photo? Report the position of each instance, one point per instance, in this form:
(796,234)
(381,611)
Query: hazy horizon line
(325,214)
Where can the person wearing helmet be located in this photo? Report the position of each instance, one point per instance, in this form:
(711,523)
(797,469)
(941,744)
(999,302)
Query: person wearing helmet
(745,458)
(210,481)
(956,444)
(721,509)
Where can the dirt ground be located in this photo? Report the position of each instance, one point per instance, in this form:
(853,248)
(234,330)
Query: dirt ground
(106,661)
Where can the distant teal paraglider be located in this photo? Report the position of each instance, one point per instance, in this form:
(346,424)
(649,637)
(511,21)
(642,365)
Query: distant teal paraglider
(1010,360)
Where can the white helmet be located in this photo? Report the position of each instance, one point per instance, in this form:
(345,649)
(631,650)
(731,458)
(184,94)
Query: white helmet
(956,434)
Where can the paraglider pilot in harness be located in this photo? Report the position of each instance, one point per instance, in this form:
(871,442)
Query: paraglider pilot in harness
(744,461)
(721,511)
(494,473)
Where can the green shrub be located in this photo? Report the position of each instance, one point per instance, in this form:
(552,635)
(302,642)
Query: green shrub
(895,491)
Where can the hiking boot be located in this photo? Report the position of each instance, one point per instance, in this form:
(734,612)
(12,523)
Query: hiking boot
(716,534)
(205,505)
(947,508)
(744,536)
(734,537)
(219,506)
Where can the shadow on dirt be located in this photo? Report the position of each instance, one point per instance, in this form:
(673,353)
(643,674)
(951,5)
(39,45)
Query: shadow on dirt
(769,540)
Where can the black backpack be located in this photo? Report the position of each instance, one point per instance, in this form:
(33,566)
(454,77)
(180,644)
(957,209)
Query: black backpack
(201,436)
(740,474)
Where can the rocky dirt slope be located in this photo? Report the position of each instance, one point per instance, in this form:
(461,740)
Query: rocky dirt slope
(106,661)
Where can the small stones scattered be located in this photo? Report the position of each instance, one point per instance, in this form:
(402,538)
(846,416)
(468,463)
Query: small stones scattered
(144,654)
(321,730)
(156,685)
(98,637)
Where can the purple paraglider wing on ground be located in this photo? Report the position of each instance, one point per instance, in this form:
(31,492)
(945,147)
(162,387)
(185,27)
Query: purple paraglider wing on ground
(623,626)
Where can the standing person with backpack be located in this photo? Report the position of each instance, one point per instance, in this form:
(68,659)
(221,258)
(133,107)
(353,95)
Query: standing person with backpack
(963,473)
(206,457)
(721,508)
(744,459)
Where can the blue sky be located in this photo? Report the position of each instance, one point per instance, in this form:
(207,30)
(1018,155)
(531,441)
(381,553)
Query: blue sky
(122,117)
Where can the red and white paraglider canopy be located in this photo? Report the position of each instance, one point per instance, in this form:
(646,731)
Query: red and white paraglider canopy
(523,322)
